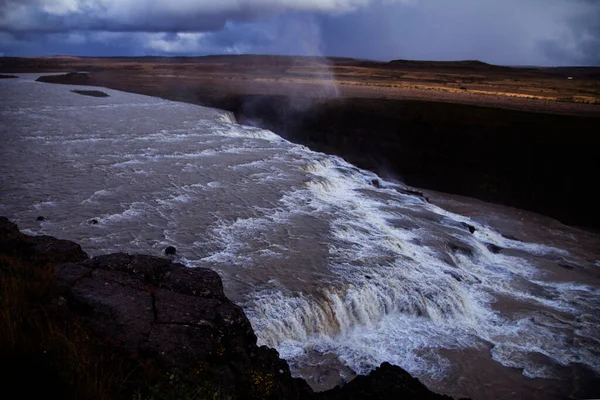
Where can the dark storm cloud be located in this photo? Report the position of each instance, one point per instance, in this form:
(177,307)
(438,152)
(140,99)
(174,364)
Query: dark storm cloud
(543,32)
(512,32)
(583,47)
(152,15)
(52,16)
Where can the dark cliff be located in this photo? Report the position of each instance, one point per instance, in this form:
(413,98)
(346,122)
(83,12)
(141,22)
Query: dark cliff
(534,161)
(142,327)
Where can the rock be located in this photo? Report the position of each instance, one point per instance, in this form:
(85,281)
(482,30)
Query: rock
(67,274)
(471,228)
(148,269)
(170,250)
(8,230)
(460,248)
(91,93)
(57,250)
(180,317)
(194,281)
(386,382)
(454,275)
(37,249)
(40,218)
(178,324)
(413,193)
(93,221)
(566,266)
(119,312)
(493,248)
(376,183)
(71,78)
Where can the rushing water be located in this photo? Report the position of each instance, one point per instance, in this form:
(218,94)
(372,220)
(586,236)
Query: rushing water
(337,274)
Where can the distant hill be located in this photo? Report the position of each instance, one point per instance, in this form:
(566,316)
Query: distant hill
(463,64)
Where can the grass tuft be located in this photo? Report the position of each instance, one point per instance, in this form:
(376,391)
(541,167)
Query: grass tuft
(44,344)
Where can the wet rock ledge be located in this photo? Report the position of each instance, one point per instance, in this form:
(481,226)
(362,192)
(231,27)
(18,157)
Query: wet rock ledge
(146,328)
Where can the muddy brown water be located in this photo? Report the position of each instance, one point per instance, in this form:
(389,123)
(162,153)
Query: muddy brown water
(335,273)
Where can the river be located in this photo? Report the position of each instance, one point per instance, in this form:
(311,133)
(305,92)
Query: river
(335,271)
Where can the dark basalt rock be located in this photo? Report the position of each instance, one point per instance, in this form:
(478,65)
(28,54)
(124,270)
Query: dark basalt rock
(41,248)
(413,193)
(170,250)
(376,183)
(386,382)
(91,93)
(460,248)
(93,221)
(72,78)
(493,248)
(178,318)
(566,266)
(40,218)
(177,322)
(471,228)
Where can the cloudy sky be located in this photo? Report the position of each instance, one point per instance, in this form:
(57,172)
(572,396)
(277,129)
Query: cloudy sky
(510,32)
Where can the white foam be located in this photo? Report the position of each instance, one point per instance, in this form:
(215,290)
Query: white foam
(227,117)
(399,296)
(231,129)
(44,204)
(132,211)
(96,196)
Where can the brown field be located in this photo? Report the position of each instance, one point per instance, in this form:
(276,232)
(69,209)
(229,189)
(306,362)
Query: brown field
(210,77)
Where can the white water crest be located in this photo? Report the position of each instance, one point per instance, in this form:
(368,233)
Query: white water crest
(323,260)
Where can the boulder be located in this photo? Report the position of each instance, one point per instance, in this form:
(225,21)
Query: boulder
(170,250)
(471,228)
(386,382)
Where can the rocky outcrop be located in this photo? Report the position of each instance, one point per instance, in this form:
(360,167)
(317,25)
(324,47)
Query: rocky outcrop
(176,321)
(178,317)
(40,249)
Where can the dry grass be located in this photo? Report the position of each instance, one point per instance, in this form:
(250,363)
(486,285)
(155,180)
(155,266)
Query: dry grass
(43,345)
(465,81)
